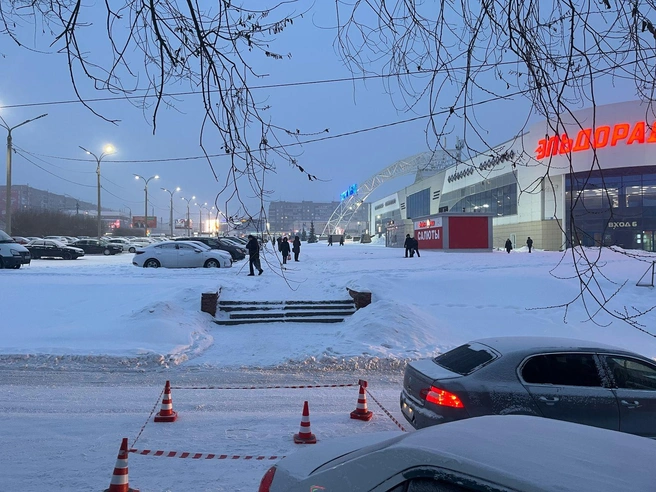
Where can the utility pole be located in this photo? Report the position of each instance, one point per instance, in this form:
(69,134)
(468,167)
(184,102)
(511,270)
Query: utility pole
(146,181)
(8,187)
(171,192)
(108,150)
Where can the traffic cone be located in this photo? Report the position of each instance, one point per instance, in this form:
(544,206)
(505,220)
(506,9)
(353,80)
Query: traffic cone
(166,414)
(304,435)
(361,412)
(119,481)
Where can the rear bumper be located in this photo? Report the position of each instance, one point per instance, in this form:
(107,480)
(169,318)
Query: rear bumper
(420,416)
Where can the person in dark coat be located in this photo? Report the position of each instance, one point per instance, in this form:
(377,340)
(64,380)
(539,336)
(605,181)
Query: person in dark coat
(279,241)
(284,249)
(273,241)
(330,239)
(508,245)
(529,243)
(296,247)
(341,240)
(408,244)
(253,248)
(415,246)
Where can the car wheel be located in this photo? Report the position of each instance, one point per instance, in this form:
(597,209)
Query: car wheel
(107,252)
(67,256)
(132,249)
(16,267)
(151,263)
(212,264)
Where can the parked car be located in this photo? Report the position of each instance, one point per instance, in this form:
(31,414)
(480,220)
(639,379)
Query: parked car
(21,239)
(96,247)
(180,254)
(126,244)
(50,248)
(12,254)
(492,454)
(557,378)
(237,253)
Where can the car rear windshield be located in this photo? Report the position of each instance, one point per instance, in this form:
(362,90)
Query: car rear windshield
(466,358)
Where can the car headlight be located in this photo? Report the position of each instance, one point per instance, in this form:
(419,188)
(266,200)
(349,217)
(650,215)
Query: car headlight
(15,252)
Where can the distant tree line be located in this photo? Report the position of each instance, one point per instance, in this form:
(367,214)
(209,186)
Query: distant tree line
(52,223)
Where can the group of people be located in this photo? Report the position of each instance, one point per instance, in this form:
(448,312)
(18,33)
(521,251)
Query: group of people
(411,246)
(509,246)
(253,247)
(330,240)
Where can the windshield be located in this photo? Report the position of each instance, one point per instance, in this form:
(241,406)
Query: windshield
(5,238)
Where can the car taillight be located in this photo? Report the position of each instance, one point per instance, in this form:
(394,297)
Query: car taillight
(441,397)
(138,252)
(267,479)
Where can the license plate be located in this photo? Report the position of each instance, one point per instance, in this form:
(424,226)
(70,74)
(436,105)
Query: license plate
(407,410)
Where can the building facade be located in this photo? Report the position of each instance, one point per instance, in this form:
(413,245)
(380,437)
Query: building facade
(292,217)
(591,183)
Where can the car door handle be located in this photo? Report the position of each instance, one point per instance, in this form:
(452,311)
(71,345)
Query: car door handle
(549,401)
(631,404)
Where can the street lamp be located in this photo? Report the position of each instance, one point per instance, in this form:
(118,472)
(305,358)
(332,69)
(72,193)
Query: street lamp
(8,187)
(201,206)
(146,181)
(188,200)
(171,192)
(106,151)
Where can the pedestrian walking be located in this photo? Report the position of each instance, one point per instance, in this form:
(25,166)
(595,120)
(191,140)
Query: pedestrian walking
(415,246)
(296,247)
(529,243)
(253,247)
(330,239)
(273,241)
(508,245)
(408,244)
(341,240)
(279,241)
(284,249)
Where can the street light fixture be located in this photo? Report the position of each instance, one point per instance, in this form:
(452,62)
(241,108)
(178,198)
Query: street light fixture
(8,187)
(146,181)
(171,192)
(188,200)
(106,151)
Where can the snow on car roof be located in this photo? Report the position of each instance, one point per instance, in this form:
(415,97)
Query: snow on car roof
(522,344)
(535,453)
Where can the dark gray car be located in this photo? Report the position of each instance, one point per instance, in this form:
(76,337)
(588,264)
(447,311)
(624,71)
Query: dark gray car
(558,378)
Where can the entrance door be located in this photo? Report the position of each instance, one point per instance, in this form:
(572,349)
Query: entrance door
(648,240)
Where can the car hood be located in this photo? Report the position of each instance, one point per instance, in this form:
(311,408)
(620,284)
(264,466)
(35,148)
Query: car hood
(302,463)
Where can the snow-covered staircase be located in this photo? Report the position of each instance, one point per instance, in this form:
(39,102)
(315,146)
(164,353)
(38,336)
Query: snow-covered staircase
(248,312)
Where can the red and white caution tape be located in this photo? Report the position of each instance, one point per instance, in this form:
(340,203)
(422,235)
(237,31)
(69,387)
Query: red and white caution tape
(262,387)
(386,412)
(201,456)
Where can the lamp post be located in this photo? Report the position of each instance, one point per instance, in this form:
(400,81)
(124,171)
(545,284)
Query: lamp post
(171,192)
(8,187)
(188,200)
(130,213)
(200,206)
(146,181)
(106,151)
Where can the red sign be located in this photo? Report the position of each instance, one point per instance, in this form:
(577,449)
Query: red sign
(429,238)
(601,137)
(422,224)
(138,222)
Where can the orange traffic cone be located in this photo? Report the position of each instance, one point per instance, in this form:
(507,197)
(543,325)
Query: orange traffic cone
(304,435)
(166,414)
(361,412)
(119,481)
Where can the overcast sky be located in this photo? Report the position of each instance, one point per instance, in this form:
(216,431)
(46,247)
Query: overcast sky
(35,83)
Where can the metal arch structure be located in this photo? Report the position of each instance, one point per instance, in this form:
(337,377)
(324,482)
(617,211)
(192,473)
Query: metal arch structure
(343,214)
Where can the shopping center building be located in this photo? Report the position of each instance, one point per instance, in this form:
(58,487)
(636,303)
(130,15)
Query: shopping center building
(589,180)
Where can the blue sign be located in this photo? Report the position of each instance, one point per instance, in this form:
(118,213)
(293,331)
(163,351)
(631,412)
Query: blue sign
(352,190)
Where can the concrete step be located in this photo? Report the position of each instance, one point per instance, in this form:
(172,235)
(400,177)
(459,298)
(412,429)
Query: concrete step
(246,312)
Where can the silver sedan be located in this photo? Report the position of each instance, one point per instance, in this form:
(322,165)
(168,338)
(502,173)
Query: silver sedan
(180,254)
(492,454)
(557,378)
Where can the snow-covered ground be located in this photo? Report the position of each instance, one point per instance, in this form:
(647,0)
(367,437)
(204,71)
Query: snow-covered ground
(87,345)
